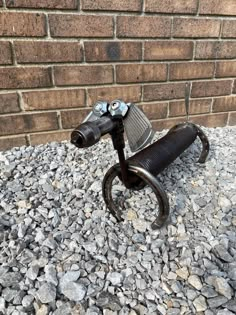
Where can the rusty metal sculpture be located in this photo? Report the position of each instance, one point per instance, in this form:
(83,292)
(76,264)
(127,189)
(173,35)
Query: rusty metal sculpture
(142,168)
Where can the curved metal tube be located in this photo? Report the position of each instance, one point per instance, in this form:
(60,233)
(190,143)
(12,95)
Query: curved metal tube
(149,180)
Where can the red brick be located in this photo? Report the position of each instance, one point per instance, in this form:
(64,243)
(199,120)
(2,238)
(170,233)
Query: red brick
(7,143)
(9,103)
(168,50)
(224,104)
(195,27)
(42,4)
(53,99)
(112,51)
(126,93)
(5,53)
(143,26)
(199,106)
(46,52)
(155,110)
(171,6)
(141,73)
(216,50)
(165,91)
(22,24)
(191,70)
(212,120)
(226,69)
(232,119)
(19,78)
(112,5)
(162,124)
(71,119)
(229,29)
(83,75)
(71,25)
(218,7)
(43,138)
(27,123)
(211,88)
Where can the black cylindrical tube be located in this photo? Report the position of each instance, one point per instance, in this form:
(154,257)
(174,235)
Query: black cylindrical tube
(156,157)
(90,132)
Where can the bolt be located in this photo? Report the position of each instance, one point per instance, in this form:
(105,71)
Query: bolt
(115,105)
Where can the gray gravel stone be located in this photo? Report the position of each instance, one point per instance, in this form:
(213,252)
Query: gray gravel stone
(200,304)
(216,301)
(74,291)
(46,293)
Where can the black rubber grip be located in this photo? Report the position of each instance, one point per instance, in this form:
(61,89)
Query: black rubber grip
(156,157)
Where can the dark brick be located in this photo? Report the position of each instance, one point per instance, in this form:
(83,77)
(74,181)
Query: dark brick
(71,119)
(212,120)
(9,103)
(43,138)
(155,110)
(224,104)
(166,123)
(27,123)
(168,50)
(196,27)
(216,50)
(46,52)
(141,73)
(191,70)
(112,51)
(171,6)
(42,4)
(143,26)
(229,29)
(217,7)
(211,88)
(71,25)
(112,5)
(19,78)
(226,69)
(7,143)
(22,24)
(53,99)
(127,93)
(83,75)
(232,119)
(165,91)
(199,106)
(5,53)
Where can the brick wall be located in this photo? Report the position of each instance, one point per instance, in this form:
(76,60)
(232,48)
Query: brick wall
(58,57)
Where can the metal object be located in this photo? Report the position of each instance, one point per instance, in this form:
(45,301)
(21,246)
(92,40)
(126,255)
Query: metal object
(142,168)
(118,108)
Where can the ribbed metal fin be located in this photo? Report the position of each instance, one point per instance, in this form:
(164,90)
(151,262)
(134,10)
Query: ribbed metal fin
(138,128)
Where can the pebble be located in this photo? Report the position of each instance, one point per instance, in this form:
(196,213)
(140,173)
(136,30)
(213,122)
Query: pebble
(200,304)
(74,291)
(46,293)
(195,282)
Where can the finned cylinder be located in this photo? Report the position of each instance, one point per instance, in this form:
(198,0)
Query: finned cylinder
(156,157)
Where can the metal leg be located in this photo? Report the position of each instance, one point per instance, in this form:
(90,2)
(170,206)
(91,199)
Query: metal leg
(205,145)
(150,180)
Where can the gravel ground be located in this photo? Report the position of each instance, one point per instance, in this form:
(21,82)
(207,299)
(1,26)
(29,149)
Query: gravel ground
(61,252)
